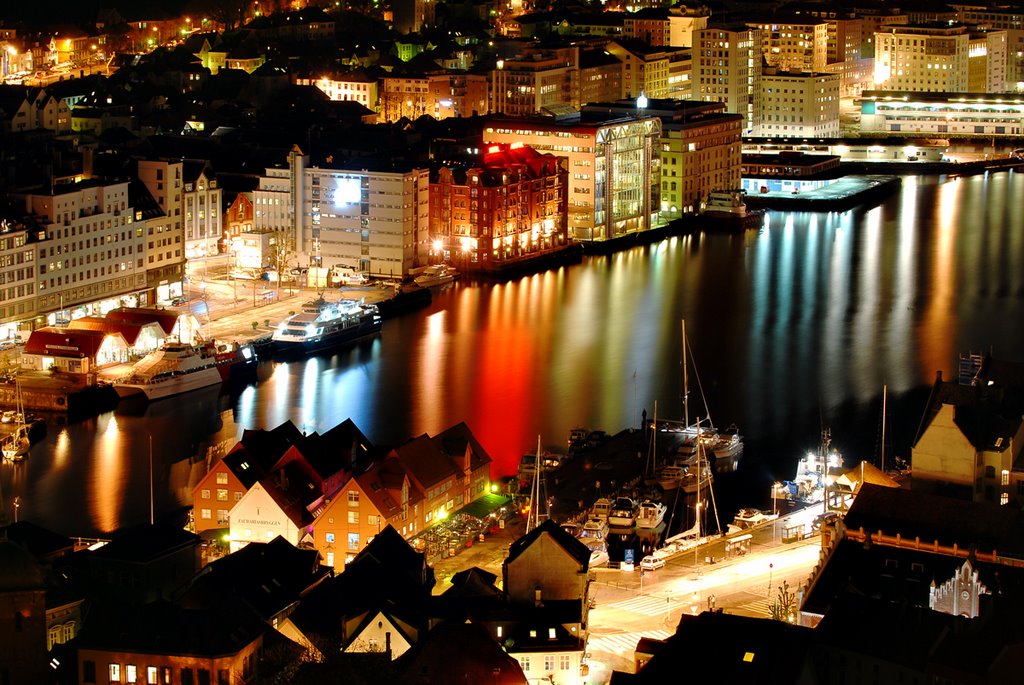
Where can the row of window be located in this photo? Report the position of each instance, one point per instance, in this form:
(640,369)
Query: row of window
(156,675)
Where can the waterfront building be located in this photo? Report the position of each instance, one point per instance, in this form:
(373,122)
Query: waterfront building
(140,337)
(940,58)
(666,26)
(794,43)
(416,486)
(201,206)
(510,206)
(804,105)
(94,257)
(370,216)
(19,241)
(280,504)
(701,150)
(980,115)
(536,80)
(614,165)
(727,69)
(440,95)
(78,351)
(356,86)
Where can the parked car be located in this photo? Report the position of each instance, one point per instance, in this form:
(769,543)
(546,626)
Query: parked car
(178,301)
(651,563)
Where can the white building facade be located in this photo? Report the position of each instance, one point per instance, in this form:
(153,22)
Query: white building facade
(804,105)
(727,69)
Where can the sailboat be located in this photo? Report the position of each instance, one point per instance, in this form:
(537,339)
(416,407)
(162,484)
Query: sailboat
(726,447)
(694,534)
(538,493)
(16,446)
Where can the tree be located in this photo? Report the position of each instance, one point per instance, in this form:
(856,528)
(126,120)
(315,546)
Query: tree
(784,606)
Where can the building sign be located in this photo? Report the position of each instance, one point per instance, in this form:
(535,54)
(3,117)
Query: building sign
(259,522)
(61,347)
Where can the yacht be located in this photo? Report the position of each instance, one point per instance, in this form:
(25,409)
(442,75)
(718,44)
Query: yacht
(650,514)
(594,530)
(432,276)
(598,557)
(322,325)
(750,518)
(669,477)
(622,513)
(602,505)
(696,478)
(179,367)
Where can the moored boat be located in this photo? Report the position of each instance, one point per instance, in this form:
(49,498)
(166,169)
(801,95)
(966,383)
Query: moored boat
(179,367)
(602,505)
(622,513)
(438,274)
(669,477)
(650,514)
(322,325)
(594,530)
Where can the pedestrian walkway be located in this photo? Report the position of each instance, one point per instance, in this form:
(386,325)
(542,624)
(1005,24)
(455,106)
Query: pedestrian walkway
(648,605)
(623,643)
(758,608)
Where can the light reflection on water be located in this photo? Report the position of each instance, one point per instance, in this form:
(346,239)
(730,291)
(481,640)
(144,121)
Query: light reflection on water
(793,327)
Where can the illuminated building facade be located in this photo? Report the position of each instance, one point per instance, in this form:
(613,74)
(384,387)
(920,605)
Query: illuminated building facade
(941,58)
(373,221)
(512,205)
(795,44)
(527,84)
(343,87)
(727,69)
(614,166)
(94,257)
(600,76)
(18,243)
(804,105)
(442,95)
(165,236)
(201,206)
(960,114)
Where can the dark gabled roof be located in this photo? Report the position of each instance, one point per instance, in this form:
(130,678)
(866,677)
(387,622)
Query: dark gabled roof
(19,571)
(164,628)
(294,490)
(266,577)
(41,543)
(987,408)
(472,584)
(573,547)
(145,543)
(340,448)
(267,446)
(425,461)
(65,342)
(455,440)
(714,647)
(478,658)
(192,168)
(983,525)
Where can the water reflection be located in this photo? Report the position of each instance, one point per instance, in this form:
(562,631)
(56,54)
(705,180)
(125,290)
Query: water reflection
(792,327)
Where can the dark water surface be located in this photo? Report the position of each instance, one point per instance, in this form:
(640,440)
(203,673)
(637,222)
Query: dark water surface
(792,328)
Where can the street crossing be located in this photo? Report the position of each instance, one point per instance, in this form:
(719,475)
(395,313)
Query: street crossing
(758,608)
(648,605)
(622,643)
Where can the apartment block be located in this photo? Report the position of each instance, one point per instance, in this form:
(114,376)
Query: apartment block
(201,206)
(600,78)
(536,80)
(440,95)
(799,104)
(94,257)
(796,43)
(19,240)
(940,57)
(165,235)
(647,69)
(510,205)
(727,69)
(356,87)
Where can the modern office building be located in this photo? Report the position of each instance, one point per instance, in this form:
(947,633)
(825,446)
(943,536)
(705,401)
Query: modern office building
(614,165)
(727,69)
(794,43)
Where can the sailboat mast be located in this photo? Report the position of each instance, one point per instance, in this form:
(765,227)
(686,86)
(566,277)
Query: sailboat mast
(533,520)
(885,394)
(699,455)
(686,387)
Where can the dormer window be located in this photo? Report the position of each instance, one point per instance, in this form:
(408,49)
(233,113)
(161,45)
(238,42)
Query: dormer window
(551,633)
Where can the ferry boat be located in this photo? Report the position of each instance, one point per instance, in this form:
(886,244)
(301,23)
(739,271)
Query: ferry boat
(322,325)
(179,367)
(432,276)
(651,514)
(622,513)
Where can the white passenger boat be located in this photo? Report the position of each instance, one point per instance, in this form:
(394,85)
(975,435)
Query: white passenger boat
(602,505)
(179,367)
(322,325)
(594,530)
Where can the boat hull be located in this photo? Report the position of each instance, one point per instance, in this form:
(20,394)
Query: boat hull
(367,328)
(174,385)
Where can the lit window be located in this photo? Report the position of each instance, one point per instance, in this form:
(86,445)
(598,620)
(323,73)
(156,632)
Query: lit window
(329,537)
(151,675)
(353,540)
(353,498)
(353,517)
(551,633)
(115,672)
(222,478)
